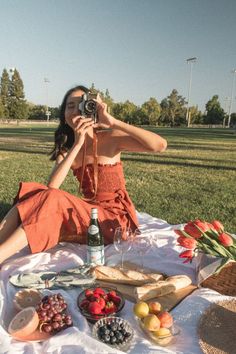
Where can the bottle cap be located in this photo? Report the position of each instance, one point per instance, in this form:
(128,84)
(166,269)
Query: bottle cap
(94,212)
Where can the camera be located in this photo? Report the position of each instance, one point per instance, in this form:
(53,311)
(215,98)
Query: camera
(88,107)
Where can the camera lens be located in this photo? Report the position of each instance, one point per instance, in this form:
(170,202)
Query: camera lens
(90,106)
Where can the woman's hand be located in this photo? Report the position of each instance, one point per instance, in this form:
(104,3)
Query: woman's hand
(81,126)
(105,120)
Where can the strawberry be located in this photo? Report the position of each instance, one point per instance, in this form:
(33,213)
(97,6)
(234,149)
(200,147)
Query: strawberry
(110,308)
(88,292)
(84,304)
(112,293)
(116,299)
(94,308)
(93,297)
(99,291)
(101,302)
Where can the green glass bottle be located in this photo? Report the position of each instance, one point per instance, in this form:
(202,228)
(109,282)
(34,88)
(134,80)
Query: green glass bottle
(95,241)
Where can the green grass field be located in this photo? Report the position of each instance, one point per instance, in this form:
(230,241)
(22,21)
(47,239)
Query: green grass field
(194,178)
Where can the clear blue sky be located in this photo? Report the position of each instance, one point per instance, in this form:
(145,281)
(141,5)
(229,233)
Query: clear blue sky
(135,48)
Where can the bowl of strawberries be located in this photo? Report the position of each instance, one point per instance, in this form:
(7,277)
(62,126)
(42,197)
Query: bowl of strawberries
(96,303)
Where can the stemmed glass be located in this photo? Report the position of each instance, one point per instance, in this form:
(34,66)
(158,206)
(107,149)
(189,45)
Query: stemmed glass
(143,244)
(123,238)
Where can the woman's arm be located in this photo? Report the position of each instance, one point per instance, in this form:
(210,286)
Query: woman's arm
(129,137)
(132,138)
(64,162)
(62,167)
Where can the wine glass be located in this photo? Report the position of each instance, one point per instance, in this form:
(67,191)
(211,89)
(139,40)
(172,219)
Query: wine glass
(143,244)
(123,238)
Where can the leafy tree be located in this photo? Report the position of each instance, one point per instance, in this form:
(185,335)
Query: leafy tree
(37,112)
(214,112)
(196,115)
(173,109)
(233,120)
(125,111)
(152,110)
(1,109)
(17,105)
(5,85)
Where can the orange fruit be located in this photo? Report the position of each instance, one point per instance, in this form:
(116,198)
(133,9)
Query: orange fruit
(24,323)
(27,298)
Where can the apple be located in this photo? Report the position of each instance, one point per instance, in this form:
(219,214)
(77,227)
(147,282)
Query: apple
(151,322)
(166,319)
(154,307)
(141,309)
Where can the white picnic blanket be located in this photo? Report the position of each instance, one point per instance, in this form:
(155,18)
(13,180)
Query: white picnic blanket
(163,257)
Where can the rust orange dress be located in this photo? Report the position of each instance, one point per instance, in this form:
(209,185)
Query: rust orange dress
(50,216)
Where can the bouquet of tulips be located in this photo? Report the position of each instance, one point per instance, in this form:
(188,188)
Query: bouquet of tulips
(210,238)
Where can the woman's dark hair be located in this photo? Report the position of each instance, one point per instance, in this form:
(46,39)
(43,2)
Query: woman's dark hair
(64,135)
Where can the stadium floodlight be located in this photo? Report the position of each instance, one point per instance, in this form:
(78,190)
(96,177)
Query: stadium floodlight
(190,61)
(231,99)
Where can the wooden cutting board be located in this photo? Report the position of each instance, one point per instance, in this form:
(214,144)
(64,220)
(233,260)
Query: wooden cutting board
(168,302)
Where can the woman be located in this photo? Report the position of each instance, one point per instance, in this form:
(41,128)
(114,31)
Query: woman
(44,215)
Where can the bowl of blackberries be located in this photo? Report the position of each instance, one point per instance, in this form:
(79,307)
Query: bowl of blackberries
(96,303)
(115,332)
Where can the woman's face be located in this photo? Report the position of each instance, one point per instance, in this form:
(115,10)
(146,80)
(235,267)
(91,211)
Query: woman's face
(72,104)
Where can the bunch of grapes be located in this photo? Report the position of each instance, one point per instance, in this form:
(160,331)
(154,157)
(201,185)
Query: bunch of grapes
(52,314)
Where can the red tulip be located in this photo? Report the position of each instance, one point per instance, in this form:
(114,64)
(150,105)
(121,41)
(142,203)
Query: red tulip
(217,226)
(192,230)
(186,242)
(189,254)
(202,225)
(225,239)
(179,233)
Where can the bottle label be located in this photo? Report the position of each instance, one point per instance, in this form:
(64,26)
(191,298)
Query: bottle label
(95,255)
(93,229)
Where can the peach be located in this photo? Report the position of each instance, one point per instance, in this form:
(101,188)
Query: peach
(166,319)
(154,307)
(162,332)
(141,309)
(151,322)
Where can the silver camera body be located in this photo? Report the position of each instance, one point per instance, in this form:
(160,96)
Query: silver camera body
(88,107)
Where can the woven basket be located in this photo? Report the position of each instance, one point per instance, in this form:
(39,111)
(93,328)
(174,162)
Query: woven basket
(224,282)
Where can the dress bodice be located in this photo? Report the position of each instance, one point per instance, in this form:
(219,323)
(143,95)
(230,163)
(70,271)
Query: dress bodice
(110,179)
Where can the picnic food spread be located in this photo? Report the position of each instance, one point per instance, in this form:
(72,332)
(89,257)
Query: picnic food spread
(47,314)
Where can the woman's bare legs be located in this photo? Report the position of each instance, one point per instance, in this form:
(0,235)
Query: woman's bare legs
(16,242)
(9,224)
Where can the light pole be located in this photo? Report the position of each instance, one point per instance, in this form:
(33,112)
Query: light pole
(190,61)
(48,113)
(227,100)
(231,100)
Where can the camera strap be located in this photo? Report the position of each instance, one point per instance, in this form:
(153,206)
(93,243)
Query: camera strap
(95,166)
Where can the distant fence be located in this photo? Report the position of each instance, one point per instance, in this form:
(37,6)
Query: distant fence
(25,122)
(56,121)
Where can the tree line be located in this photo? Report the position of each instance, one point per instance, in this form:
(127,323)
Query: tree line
(171,111)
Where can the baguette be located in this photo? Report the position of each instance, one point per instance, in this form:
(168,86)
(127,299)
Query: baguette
(150,291)
(179,281)
(131,277)
(160,288)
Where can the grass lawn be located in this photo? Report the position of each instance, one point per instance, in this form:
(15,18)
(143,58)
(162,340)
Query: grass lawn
(194,178)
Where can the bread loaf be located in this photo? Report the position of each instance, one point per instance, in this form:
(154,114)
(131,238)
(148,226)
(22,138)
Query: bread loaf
(150,291)
(130,277)
(160,288)
(179,281)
